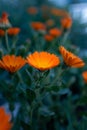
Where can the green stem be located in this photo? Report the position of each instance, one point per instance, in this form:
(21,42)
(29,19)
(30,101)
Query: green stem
(37,100)
(14,41)
(52,44)
(20,78)
(0,42)
(30,76)
(58,77)
(6,40)
(31,117)
(64,38)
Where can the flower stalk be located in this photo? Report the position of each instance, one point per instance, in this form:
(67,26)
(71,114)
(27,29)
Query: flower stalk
(6,41)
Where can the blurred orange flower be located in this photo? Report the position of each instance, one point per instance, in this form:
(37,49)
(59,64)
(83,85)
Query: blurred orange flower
(32,10)
(5,123)
(48,37)
(50,22)
(4,22)
(70,59)
(2,32)
(55,32)
(43,60)
(66,22)
(38,26)
(59,12)
(44,7)
(12,63)
(4,18)
(13,31)
(84,74)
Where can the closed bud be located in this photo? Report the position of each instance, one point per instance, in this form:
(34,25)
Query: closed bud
(4,22)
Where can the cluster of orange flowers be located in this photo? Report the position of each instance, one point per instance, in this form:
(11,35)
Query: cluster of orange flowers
(66,20)
(5,25)
(53,32)
(40,60)
(11,31)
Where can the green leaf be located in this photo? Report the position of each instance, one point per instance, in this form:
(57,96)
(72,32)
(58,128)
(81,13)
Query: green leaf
(52,88)
(64,91)
(30,95)
(45,111)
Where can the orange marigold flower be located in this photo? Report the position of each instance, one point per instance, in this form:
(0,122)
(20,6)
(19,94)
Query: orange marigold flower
(32,10)
(43,60)
(4,22)
(70,59)
(84,74)
(13,31)
(38,26)
(2,32)
(55,32)
(66,22)
(59,12)
(50,22)
(44,8)
(48,37)
(5,123)
(12,63)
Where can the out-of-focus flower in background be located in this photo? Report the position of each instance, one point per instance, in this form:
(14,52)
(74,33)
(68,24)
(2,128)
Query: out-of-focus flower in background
(50,22)
(58,12)
(38,26)
(55,32)
(48,37)
(13,31)
(2,32)
(4,22)
(66,22)
(32,10)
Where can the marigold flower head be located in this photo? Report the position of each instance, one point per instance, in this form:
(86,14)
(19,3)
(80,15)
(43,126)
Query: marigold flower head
(2,32)
(12,63)
(48,37)
(55,32)
(44,8)
(38,26)
(32,10)
(43,60)
(4,22)
(66,22)
(5,123)
(13,31)
(58,12)
(50,22)
(84,74)
(70,59)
